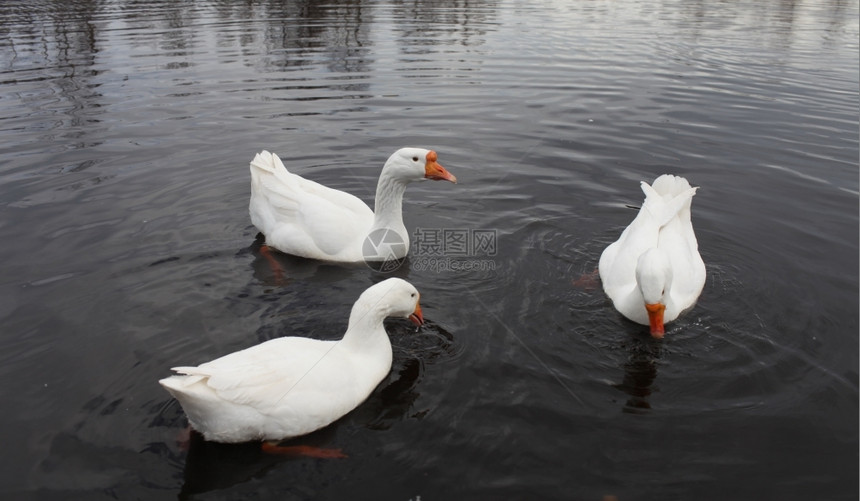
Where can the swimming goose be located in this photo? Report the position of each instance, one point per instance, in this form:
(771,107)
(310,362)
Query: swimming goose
(304,218)
(654,272)
(291,386)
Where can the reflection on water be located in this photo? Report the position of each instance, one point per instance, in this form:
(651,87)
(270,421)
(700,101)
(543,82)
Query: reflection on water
(210,466)
(127,130)
(640,371)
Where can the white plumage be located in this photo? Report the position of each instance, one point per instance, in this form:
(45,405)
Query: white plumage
(292,386)
(654,272)
(304,218)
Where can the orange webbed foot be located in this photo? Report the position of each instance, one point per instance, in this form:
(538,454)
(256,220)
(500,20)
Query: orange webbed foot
(302,450)
(587,281)
(278,272)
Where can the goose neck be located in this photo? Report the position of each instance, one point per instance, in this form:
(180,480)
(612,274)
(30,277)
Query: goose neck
(365,327)
(388,207)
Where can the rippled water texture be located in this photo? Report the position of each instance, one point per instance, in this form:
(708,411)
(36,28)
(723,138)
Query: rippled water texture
(127,128)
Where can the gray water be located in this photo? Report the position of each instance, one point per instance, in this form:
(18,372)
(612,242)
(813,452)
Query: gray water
(127,128)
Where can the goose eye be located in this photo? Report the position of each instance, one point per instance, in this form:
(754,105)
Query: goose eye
(412,295)
(414,159)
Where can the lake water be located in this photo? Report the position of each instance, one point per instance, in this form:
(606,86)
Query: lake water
(126,129)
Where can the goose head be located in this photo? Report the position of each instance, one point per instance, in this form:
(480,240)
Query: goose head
(415,164)
(654,280)
(395,297)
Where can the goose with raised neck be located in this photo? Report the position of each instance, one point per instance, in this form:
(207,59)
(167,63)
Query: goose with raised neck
(304,218)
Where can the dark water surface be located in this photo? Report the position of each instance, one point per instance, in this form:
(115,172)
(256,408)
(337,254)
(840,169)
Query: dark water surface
(126,129)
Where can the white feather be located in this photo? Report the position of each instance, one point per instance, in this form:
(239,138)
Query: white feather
(662,231)
(291,386)
(304,218)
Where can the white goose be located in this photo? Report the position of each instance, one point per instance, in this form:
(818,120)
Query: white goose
(291,386)
(654,272)
(307,219)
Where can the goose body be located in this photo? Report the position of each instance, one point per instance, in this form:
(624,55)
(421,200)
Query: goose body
(654,272)
(291,386)
(304,218)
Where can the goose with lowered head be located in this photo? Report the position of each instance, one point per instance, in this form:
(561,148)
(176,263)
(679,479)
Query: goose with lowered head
(654,272)
(304,218)
(291,386)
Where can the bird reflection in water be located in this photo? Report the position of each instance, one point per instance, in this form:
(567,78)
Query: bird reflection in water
(640,371)
(213,466)
(395,398)
(277,269)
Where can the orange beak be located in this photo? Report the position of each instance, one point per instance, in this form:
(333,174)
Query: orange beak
(434,171)
(416,317)
(655,318)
